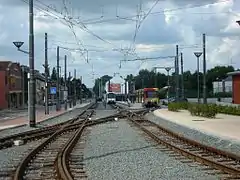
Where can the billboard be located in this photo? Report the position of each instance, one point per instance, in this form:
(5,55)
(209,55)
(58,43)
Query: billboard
(115,87)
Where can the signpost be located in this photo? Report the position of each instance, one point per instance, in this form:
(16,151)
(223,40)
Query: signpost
(53,90)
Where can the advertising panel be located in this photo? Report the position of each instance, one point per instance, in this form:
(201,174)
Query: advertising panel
(115,87)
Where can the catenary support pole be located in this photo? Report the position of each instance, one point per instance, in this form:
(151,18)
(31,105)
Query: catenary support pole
(198,81)
(23,86)
(46,74)
(182,77)
(81,90)
(32,81)
(65,82)
(75,91)
(58,84)
(177,75)
(204,71)
(70,90)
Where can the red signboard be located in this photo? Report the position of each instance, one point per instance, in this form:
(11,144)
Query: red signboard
(115,87)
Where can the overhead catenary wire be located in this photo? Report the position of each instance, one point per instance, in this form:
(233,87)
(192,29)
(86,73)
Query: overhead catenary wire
(82,25)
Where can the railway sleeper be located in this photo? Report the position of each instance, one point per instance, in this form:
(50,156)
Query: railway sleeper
(78,170)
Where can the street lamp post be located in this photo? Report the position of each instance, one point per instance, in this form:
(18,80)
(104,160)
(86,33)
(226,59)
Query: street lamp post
(168,92)
(23,86)
(32,84)
(168,83)
(198,54)
(125,86)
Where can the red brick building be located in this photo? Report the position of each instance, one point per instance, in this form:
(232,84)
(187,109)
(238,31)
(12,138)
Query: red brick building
(235,86)
(10,85)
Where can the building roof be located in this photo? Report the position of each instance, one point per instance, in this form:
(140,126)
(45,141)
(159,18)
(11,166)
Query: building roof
(234,73)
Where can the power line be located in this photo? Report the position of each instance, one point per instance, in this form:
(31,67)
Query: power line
(163,12)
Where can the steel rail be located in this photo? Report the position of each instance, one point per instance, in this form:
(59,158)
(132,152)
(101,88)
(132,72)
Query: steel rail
(7,141)
(227,169)
(23,164)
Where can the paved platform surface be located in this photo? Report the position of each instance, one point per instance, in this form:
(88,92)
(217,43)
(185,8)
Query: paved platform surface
(224,126)
(40,116)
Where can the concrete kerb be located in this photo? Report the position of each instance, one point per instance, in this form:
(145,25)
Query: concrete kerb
(48,119)
(207,138)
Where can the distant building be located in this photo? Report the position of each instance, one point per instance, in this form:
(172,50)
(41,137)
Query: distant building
(236,86)
(40,84)
(10,85)
(223,85)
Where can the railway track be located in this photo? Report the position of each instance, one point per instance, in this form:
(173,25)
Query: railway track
(57,157)
(31,135)
(220,161)
(40,162)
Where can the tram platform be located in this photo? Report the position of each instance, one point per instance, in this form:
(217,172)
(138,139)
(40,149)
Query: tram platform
(223,126)
(40,116)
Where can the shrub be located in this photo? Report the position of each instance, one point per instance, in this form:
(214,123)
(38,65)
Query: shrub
(203,110)
(231,110)
(174,107)
(184,105)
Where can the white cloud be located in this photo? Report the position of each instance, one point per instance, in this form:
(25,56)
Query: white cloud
(169,24)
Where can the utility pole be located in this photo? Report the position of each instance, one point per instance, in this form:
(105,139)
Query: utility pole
(81,90)
(125,90)
(204,71)
(70,90)
(46,74)
(75,92)
(168,82)
(65,82)
(58,86)
(198,54)
(32,81)
(156,83)
(177,75)
(23,86)
(182,78)
(100,87)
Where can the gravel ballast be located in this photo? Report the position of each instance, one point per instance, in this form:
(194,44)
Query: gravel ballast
(11,157)
(64,117)
(207,139)
(117,151)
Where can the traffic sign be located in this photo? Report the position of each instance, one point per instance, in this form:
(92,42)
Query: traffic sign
(53,90)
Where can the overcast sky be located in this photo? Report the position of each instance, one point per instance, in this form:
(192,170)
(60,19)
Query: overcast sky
(93,25)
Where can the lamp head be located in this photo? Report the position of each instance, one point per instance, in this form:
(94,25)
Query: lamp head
(198,54)
(18,44)
(238,22)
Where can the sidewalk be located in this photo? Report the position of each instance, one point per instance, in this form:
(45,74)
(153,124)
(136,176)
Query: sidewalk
(40,116)
(225,126)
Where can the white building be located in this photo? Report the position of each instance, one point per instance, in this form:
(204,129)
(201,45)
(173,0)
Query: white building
(223,86)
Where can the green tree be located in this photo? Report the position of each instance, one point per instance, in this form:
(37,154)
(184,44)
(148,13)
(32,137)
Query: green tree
(146,78)
(104,79)
(217,73)
(54,74)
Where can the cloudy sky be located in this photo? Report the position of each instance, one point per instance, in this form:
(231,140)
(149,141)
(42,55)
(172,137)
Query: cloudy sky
(115,30)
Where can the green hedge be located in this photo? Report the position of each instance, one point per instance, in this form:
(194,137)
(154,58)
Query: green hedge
(204,110)
(229,110)
(177,106)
